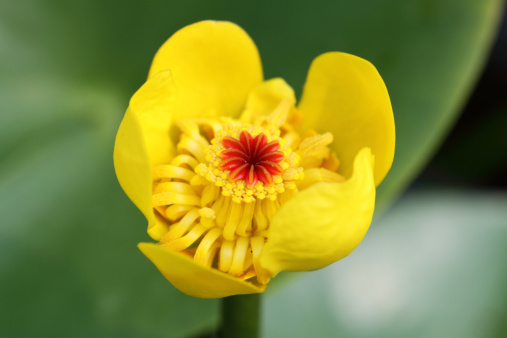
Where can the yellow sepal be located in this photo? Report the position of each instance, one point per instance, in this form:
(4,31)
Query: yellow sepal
(323,223)
(345,95)
(143,141)
(214,64)
(193,278)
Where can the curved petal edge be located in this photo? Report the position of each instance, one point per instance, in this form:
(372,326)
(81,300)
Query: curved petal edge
(323,223)
(143,141)
(344,94)
(195,279)
(215,64)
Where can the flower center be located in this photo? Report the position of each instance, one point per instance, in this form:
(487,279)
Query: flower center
(250,162)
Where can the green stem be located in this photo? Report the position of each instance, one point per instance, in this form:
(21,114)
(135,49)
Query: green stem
(240,316)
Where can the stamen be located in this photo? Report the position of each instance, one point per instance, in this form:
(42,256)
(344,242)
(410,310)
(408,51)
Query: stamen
(191,146)
(202,254)
(269,208)
(260,220)
(187,240)
(171,171)
(210,194)
(238,260)
(313,150)
(168,198)
(245,223)
(176,211)
(175,187)
(226,254)
(185,160)
(207,217)
(280,114)
(233,219)
(309,145)
(223,212)
(180,228)
(257,244)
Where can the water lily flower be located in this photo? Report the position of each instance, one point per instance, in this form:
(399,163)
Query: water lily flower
(238,182)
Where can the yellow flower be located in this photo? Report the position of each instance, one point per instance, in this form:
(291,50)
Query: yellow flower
(236,181)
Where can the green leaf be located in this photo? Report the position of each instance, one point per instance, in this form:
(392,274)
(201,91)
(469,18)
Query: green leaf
(69,265)
(430,268)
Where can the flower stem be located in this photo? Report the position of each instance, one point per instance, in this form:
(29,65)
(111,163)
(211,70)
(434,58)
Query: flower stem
(240,316)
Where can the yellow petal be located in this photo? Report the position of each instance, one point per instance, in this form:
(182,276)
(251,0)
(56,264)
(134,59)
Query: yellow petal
(323,223)
(143,141)
(345,95)
(267,96)
(193,278)
(214,66)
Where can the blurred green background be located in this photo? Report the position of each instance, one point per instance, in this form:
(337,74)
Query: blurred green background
(432,264)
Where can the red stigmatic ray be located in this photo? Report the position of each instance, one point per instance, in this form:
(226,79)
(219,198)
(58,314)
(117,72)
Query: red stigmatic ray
(251,158)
